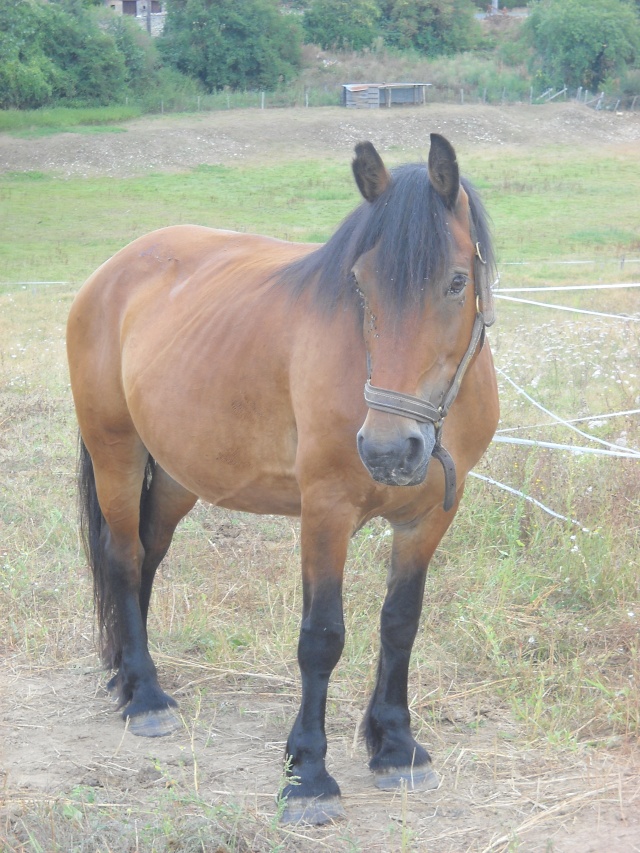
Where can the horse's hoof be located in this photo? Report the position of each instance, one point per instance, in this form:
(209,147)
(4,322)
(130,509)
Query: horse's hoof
(313,811)
(414,778)
(154,723)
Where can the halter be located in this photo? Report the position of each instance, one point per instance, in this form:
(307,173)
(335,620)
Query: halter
(424,411)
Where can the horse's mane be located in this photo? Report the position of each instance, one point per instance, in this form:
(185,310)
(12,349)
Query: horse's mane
(409,223)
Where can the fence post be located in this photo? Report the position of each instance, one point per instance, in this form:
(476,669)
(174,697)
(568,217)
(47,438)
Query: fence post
(462,96)
(262,101)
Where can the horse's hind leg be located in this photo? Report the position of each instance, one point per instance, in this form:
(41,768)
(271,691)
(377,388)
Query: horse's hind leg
(395,756)
(163,505)
(123,570)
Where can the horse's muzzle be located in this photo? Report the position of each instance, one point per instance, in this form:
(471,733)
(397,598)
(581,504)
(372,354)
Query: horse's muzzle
(400,458)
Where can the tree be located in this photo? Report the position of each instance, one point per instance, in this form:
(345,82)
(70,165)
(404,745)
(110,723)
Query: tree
(341,24)
(49,55)
(583,42)
(430,26)
(237,43)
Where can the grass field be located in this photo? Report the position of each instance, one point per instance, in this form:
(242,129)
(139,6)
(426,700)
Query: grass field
(530,635)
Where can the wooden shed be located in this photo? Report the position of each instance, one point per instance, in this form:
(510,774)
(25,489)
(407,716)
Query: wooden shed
(375,95)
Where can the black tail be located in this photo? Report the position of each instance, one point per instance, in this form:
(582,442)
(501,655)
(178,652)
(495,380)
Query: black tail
(92,525)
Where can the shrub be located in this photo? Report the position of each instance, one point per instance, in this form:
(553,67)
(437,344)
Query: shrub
(432,27)
(582,42)
(341,24)
(236,43)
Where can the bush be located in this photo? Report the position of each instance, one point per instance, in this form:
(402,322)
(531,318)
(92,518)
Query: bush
(236,43)
(432,27)
(341,24)
(582,42)
(47,54)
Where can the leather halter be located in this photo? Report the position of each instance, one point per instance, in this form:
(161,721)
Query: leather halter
(424,411)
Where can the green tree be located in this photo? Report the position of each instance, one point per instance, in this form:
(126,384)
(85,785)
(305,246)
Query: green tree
(237,43)
(431,26)
(583,42)
(90,68)
(341,24)
(140,54)
(48,55)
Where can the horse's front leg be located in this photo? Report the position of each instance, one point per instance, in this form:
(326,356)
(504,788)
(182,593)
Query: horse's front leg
(396,757)
(312,795)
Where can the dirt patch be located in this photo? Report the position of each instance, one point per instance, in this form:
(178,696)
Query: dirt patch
(61,736)
(175,143)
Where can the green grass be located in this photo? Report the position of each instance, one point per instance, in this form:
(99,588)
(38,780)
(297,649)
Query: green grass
(544,205)
(63,119)
(531,615)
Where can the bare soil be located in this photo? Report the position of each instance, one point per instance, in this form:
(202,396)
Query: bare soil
(60,732)
(499,791)
(175,143)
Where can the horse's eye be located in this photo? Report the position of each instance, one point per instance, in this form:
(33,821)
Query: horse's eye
(458,283)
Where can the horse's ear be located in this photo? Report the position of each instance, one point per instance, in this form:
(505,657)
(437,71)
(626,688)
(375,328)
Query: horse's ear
(369,171)
(443,170)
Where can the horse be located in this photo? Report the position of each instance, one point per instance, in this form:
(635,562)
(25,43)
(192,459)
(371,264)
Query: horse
(337,382)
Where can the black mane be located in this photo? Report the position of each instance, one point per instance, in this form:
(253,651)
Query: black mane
(409,222)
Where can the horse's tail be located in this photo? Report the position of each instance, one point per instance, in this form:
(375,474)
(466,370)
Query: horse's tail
(92,525)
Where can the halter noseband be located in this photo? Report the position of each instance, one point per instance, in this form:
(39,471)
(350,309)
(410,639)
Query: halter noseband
(424,411)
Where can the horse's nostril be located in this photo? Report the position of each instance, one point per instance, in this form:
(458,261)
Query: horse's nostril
(415,450)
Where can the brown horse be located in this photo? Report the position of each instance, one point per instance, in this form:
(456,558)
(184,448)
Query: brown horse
(231,367)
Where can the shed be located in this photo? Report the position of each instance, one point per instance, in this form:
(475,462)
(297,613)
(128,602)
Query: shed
(375,95)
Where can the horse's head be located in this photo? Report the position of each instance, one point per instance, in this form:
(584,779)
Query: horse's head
(422,308)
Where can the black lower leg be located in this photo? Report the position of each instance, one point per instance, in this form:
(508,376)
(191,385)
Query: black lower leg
(136,682)
(319,649)
(386,726)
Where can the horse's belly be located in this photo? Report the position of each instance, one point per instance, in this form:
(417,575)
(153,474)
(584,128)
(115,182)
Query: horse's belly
(223,447)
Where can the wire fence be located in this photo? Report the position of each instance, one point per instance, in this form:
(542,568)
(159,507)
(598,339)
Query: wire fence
(607,448)
(330,94)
